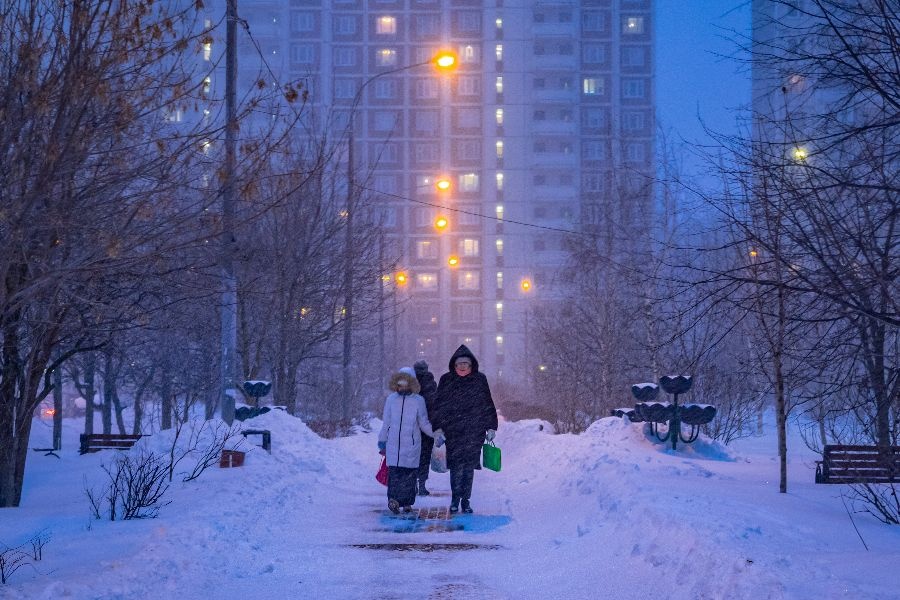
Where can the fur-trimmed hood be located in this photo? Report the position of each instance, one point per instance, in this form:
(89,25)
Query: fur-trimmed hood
(412,384)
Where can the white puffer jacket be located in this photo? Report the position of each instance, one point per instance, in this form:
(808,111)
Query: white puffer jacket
(405,418)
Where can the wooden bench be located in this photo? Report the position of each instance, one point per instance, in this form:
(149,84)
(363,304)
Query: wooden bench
(266,437)
(843,463)
(94,442)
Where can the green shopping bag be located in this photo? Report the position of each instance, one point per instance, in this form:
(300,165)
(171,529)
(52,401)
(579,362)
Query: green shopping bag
(490,457)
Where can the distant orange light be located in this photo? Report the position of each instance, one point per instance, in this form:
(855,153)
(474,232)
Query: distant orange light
(453,260)
(401,278)
(442,184)
(753,253)
(526,285)
(48,412)
(445,61)
(441,223)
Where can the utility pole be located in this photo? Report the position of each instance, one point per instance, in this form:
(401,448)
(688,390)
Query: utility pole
(229,279)
(347,390)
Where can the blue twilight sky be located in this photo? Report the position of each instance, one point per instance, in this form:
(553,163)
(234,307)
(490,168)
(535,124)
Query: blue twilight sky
(696,79)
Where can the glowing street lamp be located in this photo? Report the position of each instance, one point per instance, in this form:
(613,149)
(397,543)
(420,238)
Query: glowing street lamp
(525,285)
(800,154)
(441,223)
(443,184)
(401,278)
(453,261)
(446,60)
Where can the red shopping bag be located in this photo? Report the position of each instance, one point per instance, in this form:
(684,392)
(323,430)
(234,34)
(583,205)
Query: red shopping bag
(382,475)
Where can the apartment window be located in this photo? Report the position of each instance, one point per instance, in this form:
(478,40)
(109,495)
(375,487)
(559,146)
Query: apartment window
(424,217)
(633,88)
(386,25)
(426,281)
(469,280)
(499,84)
(468,54)
(634,56)
(593,53)
(540,146)
(633,25)
(499,308)
(591,182)
(635,152)
(426,89)
(386,183)
(469,21)
(632,121)
(303,22)
(499,211)
(498,116)
(565,16)
(539,244)
(345,25)
(468,118)
(390,152)
(385,89)
(593,118)
(388,217)
(565,49)
(427,25)
(499,182)
(539,17)
(468,312)
(386,57)
(426,122)
(385,120)
(344,88)
(426,249)
(469,86)
(499,246)
(427,152)
(499,148)
(468,150)
(592,86)
(469,216)
(498,51)
(593,150)
(593,21)
(207,84)
(499,24)
(469,248)
(499,340)
(207,51)
(303,54)
(344,57)
(499,280)
(539,115)
(468,182)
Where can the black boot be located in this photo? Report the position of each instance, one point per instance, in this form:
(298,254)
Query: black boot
(466,507)
(454,505)
(422,491)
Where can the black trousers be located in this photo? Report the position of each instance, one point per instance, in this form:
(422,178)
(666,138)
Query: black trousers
(425,458)
(402,485)
(461,483)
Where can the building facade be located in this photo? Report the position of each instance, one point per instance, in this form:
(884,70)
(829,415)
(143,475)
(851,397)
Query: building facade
(549,116)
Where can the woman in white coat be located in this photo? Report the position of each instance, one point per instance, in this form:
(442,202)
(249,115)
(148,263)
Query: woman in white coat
(405,418)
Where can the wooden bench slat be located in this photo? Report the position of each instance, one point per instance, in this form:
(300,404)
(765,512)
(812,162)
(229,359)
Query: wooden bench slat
(94,442)
(854,463)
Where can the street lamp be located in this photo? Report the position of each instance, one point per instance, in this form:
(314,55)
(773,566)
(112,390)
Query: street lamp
(444,62)
(441,223)
(443,184)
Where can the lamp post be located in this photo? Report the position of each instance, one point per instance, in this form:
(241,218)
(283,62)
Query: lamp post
(443,62)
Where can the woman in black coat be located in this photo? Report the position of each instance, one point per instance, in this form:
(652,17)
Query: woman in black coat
(465,411)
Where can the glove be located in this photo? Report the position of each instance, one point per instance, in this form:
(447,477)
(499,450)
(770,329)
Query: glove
(489,435)
(382,447)
(439,438)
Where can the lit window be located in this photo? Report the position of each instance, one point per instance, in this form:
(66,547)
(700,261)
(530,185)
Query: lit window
(498,115)
(633,25)
(592,86)
(499,84)
(499,146)
(386,57)
(499,23)
(499,181)
(499,344)
(469,280)
(499,244)
(498,50)
(468,247)
(468,54)
(468,182)
(499,211)
(499,280)
(426,281)
(207,51)
(386,25)
(499,311)
(207,84)
(426,249)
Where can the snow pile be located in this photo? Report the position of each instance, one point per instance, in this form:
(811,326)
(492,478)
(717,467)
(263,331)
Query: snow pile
(609,513)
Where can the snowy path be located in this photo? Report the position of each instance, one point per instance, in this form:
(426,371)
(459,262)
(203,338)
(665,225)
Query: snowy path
(605,514)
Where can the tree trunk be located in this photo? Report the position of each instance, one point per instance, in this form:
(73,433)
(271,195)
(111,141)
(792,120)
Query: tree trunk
(57,407)
(780,403)
(166,407)
(88,391)
(108,390)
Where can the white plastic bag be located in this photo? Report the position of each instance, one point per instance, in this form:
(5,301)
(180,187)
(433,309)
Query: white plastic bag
(439,459)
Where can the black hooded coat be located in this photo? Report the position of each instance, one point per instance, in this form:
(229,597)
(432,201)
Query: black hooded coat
(464,410)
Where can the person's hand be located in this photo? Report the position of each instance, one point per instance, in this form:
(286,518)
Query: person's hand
(489,435)
(439,438)
(382,448)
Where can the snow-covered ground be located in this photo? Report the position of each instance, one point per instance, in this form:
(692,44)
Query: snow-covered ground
(605,514)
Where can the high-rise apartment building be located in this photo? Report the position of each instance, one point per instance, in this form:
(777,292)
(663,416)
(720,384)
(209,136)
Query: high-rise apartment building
(549,117)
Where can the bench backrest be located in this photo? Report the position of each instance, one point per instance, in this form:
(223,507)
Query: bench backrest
(842,463)
(94,442)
